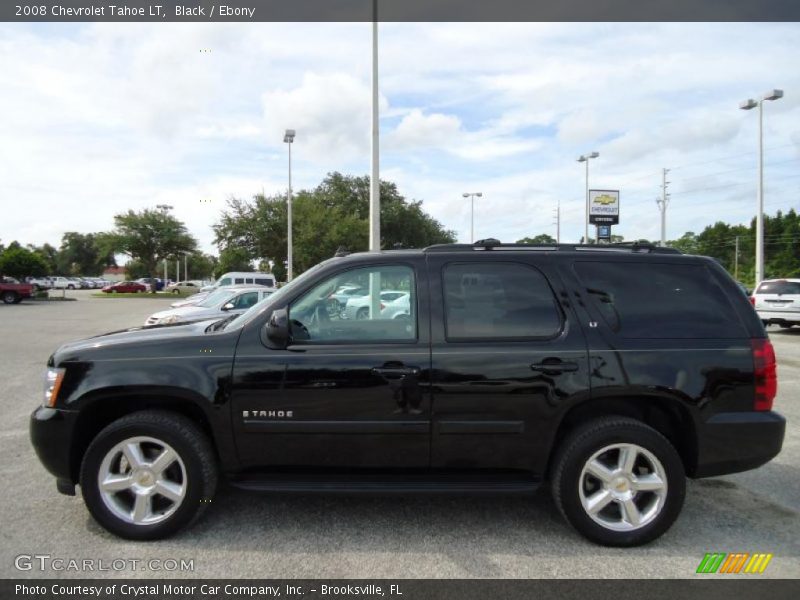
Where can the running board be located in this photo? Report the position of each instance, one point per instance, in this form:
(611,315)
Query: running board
(386,484)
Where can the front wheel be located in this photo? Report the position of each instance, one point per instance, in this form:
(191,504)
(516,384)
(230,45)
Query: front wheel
(9,297)
(618,482)
(147,475)
(176,291)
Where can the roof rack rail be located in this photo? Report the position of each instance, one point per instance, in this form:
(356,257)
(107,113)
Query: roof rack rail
(639,246)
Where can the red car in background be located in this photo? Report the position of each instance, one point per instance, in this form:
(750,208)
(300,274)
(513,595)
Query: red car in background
(125,287)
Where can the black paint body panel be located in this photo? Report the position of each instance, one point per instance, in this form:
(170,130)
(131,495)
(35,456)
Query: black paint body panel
(470,407)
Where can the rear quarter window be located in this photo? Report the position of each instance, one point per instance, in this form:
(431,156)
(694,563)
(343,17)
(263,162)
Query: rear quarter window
(659,300)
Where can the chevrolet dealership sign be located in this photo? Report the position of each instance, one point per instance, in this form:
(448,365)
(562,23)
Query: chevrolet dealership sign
(604,207)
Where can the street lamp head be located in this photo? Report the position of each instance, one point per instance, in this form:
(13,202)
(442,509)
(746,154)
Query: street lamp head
(594,155)
(479,194)
(582,158)
(288,137)
(773,95)
(465,195)
(748,104)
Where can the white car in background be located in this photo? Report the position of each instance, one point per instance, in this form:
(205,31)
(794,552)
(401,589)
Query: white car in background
(358,307)
(185,287)
(399,308)
(222,303)
(242,278)
(65,283)
(777,301)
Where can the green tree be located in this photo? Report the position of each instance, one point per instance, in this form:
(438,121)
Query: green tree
(542,238)
(20,263)
(201,265)
(333,214)
(233,259)
(149,236)
(49,254)
(83,254)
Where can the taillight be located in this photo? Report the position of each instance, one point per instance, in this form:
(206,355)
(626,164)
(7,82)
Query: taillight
(753,300)
(383,306)
(766,376)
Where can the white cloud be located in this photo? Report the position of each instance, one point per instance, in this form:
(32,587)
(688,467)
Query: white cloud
(330,112)
(98,118)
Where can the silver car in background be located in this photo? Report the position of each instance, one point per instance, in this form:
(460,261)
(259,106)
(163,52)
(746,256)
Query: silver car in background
(217,305)
(777,301)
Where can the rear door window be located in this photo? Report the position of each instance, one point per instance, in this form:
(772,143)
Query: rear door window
(659,300)
(486,301)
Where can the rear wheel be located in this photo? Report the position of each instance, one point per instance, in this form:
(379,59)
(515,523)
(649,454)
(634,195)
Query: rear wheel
(176,291)
(362,314)
(786,325)
(618,482)
(148,474)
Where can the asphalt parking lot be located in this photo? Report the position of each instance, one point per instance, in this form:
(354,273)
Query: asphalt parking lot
(259,536)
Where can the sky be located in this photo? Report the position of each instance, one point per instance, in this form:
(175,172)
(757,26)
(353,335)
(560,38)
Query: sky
(98,118)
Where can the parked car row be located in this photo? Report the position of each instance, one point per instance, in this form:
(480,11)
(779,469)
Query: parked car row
(351,301)
(60,282)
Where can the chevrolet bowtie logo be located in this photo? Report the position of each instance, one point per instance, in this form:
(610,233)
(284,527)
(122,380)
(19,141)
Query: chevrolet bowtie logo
(605,199)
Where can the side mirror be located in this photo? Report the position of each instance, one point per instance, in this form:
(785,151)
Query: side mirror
(277,329)
(228,306)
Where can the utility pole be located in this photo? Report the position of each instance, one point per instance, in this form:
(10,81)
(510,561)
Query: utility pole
(662,203)
(557,222)
(375,181)
(736,261)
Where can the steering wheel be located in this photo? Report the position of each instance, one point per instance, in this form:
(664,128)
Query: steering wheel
(319,316)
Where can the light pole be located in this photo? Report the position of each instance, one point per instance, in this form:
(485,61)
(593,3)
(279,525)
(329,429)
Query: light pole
(471,196)
(375,181)
(186,266)
(288,138)
(585,158)
(747,105)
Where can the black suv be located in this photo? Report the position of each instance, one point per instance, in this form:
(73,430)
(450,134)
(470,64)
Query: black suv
(610,372)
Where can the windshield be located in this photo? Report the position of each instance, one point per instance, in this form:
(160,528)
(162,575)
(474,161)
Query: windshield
(259,307)
(215,298)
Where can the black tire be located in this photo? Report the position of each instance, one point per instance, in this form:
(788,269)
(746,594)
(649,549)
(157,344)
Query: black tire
(786,325)
(576,451)
(70,287)
(9,297)
(362,313)
(176,291)
(193,449)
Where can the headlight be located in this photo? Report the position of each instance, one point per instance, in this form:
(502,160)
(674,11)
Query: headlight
(52,383)
(169,319)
